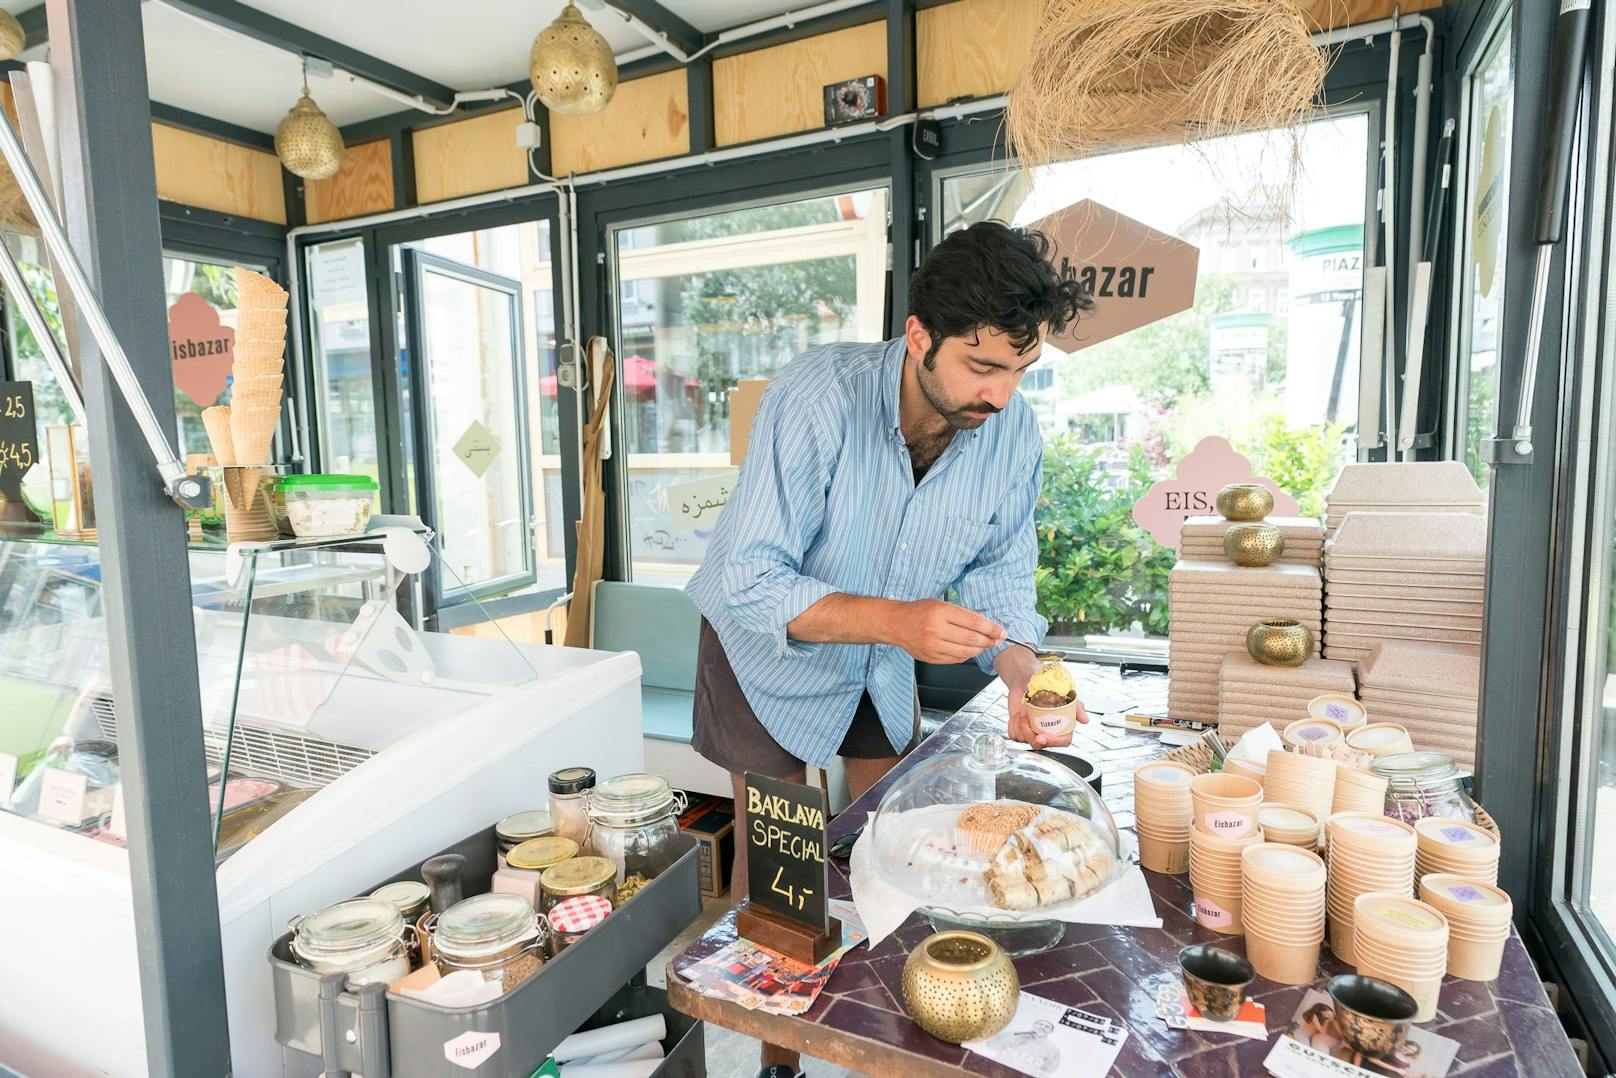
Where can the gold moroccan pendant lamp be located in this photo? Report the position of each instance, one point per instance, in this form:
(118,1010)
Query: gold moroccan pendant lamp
(306,141)
(572,66)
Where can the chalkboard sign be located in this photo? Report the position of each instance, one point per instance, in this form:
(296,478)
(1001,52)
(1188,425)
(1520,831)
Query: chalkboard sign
(785,849)
(19,441)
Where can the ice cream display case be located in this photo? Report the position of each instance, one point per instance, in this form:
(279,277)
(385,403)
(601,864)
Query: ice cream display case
(340,742)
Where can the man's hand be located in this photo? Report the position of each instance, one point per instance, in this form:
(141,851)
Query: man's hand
(937,632)
(1016,666)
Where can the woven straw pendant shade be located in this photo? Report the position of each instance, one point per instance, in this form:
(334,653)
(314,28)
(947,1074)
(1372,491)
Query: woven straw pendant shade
(308,143)
(571,66)
(12,38)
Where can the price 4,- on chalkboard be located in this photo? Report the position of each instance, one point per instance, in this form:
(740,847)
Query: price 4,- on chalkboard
(18,441)
(786,874)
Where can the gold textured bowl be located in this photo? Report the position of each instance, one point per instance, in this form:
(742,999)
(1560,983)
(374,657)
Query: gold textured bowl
(1279,642)
(1253,544)
(959,986)
(1245,501)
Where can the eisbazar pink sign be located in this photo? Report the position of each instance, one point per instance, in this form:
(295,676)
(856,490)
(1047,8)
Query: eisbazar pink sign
(1192,491)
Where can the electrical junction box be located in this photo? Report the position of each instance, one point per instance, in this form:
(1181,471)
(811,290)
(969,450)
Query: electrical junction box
(529,136)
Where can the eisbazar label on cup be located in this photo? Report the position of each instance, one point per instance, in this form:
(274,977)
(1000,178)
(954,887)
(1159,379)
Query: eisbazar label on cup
(1229,824)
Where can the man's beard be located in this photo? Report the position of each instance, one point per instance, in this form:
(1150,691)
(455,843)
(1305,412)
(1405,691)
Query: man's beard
(966,418)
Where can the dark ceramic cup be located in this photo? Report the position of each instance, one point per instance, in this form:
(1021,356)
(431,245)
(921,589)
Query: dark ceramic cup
(1374,1015)
(1215,979)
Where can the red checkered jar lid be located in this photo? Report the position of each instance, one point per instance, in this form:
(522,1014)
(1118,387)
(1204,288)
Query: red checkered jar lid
(579,913)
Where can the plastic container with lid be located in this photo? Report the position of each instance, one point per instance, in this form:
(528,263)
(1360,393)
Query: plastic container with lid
(410,896)
(1423,784)
(498,935)
(634,823)
(578,876)
(362,937)
(569,802)
(969,871)
(320,506)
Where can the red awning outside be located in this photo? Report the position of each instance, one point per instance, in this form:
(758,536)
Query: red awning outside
(639,374)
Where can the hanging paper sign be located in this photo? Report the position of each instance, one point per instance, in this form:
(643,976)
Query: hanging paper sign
(1135,274)
(477,449)
(19,438)
(1193,490)
(694,507)
(202,348)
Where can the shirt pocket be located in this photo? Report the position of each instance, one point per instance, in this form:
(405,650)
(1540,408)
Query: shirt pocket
(963,539)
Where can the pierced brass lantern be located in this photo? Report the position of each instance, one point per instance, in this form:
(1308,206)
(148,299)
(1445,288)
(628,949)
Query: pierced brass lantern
(572,66)
(308,143)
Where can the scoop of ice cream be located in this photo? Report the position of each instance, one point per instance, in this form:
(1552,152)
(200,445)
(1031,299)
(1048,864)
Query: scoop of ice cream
(1045,698)
(1051,678)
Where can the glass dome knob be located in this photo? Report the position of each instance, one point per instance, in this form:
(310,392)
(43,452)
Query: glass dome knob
(988,753)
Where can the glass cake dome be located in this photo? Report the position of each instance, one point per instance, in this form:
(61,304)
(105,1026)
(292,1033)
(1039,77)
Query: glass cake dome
(996,841)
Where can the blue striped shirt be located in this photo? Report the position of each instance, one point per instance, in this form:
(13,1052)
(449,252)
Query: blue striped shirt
(827,502)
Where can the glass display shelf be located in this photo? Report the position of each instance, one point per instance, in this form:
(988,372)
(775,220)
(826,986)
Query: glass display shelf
(306,669)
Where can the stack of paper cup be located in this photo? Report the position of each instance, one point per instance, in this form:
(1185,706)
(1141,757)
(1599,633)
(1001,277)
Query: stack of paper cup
(1254,770)
(1312,737)
(1226,804)
(1368,853)
(1478,923)
(1456,848)
(1380,739)
(1305,781)
(1357,790)
(1289,824)
(1339,708)
(1215,877)
(1282,904)
(1162,814)
(1404,941)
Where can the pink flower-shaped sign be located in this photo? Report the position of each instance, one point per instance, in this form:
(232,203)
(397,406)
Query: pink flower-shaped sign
(201,347)
(1192,492)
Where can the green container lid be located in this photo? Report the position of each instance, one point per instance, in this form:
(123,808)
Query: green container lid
(325,483)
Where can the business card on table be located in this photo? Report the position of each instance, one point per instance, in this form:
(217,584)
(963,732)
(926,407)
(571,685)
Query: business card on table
(1046,1038)
(1173,1006)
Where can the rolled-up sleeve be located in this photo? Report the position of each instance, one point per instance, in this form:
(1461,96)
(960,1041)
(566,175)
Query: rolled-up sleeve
(775,513)
(1000,583)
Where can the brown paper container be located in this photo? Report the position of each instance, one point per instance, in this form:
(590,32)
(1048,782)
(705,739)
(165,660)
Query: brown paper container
(1219,911)
(1470,961)
(1226,804)
(1282,822)
(1241,767)
(1283,963)
(1309,734)
(1473,904)
(1164,776)
(1157,855)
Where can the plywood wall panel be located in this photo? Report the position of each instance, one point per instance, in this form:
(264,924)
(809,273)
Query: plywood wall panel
(972,48)
(216,175)
(975,48)
(647,119)
(780,90)
(365,185)
(467,157)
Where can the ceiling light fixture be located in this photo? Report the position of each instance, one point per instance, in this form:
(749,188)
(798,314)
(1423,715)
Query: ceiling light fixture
(306,141)
(571,65)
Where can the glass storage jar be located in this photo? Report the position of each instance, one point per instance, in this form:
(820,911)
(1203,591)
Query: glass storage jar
(519,827)
(525,863)
(634,823)
(410,896)
(495,934)
(362,937)
(1421,784)
(579,876)
(572,918)
(569,802)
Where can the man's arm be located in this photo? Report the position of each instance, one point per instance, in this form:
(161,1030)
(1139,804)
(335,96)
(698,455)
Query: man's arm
(929,629)
(1001,584)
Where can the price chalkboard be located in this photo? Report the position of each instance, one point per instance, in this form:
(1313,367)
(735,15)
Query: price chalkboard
(785,850)
(19,441)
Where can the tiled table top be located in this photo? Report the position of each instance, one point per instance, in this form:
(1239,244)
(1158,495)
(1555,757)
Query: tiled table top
(1503,1028)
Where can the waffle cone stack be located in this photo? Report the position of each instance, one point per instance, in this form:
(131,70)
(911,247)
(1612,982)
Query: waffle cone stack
(260,359)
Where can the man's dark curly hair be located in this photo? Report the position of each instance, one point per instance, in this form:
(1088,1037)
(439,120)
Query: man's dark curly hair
(994,275)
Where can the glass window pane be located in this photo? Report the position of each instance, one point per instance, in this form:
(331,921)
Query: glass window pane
(707,301)
(215,283)
(472,358)
(1485,225)
(339,342)
(1267,356)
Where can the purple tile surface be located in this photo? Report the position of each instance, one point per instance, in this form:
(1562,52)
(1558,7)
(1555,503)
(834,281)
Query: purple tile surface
(1503,1027)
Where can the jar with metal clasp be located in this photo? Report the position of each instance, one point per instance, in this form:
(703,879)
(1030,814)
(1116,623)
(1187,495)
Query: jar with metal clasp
(495,934)
(362,937)
(410,896)
(1421,784)
(634,823)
